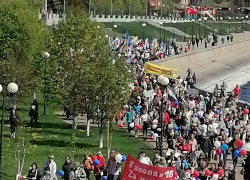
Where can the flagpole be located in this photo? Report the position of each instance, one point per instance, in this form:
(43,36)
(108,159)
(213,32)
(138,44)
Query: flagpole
(161,8)
(89,7)
(129,8)
(111,7)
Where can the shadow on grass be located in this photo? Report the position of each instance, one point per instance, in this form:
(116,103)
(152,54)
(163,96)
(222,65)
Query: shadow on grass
(53,125)
(54,143)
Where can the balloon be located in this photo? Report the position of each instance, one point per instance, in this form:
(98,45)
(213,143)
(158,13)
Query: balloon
(215,116)
(207,173)
(175,128)
(218,151)
(237,153)
(247,147)
(220,172)
(226,110)
(199,116)
(104,177)
(94,158)
(246,111)
(124,158)
(118,158)
(215,177)
(198,179)
(216,111)
(243,152)
(196,174)
(138,126)
(217,144)
(239,143)
(186,164)
(132,125)
(96,162)
(61,173)
(118,116)
(176,103)
(136,83)
(155,121)
(121,125)
(180,138)
(154,126)
(152,137)
(152,133)
(180,148)
(33,107)
(224,147)
(189,171)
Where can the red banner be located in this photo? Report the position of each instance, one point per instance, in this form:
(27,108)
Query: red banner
(134,170)
(190,10)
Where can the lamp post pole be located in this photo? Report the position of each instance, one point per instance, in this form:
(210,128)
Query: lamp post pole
(246,23)
(143,29)
(192,30)
(242,25)
(205,33)
(45,55)
(221,18)
(12,88)
(185,30)
(115,27)
(160,28)
(237,24)
(163,81)
(229,19)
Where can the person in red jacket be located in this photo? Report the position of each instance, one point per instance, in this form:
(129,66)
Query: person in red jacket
(236,91)
(101,159)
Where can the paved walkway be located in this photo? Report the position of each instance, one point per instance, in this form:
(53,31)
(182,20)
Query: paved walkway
(82,120)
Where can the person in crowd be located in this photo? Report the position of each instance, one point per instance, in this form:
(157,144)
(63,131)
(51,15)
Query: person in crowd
(77,172)
(88,165)
(33,113)
(67,168)
(34,173)
(13,121)
(47,175)
(102,161)
(51,167)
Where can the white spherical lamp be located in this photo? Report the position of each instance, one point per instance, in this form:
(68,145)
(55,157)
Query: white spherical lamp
(159,78)
(165,81)
(1,88)
(118,158)
(12,88)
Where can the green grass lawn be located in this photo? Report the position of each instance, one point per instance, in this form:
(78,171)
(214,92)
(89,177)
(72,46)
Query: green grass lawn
(135,29)
(53,136)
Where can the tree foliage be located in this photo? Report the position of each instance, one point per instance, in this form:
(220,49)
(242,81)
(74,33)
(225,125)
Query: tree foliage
(21,37)
(89,79)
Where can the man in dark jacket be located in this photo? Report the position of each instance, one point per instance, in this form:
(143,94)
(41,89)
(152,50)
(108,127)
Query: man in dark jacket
(206,147)
(33,113)
(67,168)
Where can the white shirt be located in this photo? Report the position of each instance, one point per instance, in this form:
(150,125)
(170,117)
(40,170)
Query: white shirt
(52,167)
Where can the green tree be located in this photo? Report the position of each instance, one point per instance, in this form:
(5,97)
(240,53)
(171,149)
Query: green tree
(91,82)
(22,38)
(168,7)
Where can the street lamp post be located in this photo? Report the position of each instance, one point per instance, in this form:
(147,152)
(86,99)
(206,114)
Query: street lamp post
(115,27)
(45,55)
(229,24)
(221,18)
(246,17)
(12,88)
(205,19)
(185,30)
(237,24)
(242,24)
(213,25)
(160,28)
(163,81)
(199,27)
(193,29)
(174,28)
(143,28)
(164,32)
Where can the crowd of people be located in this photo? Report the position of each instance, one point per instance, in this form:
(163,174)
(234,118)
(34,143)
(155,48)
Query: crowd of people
(196,124)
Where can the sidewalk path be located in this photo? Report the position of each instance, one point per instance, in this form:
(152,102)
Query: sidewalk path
(82,120)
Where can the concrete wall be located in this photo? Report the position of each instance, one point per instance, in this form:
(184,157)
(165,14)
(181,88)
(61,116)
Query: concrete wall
(229,63)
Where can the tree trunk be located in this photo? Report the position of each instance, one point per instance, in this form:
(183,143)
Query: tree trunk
(75,119)
(100,127)
(88,125)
